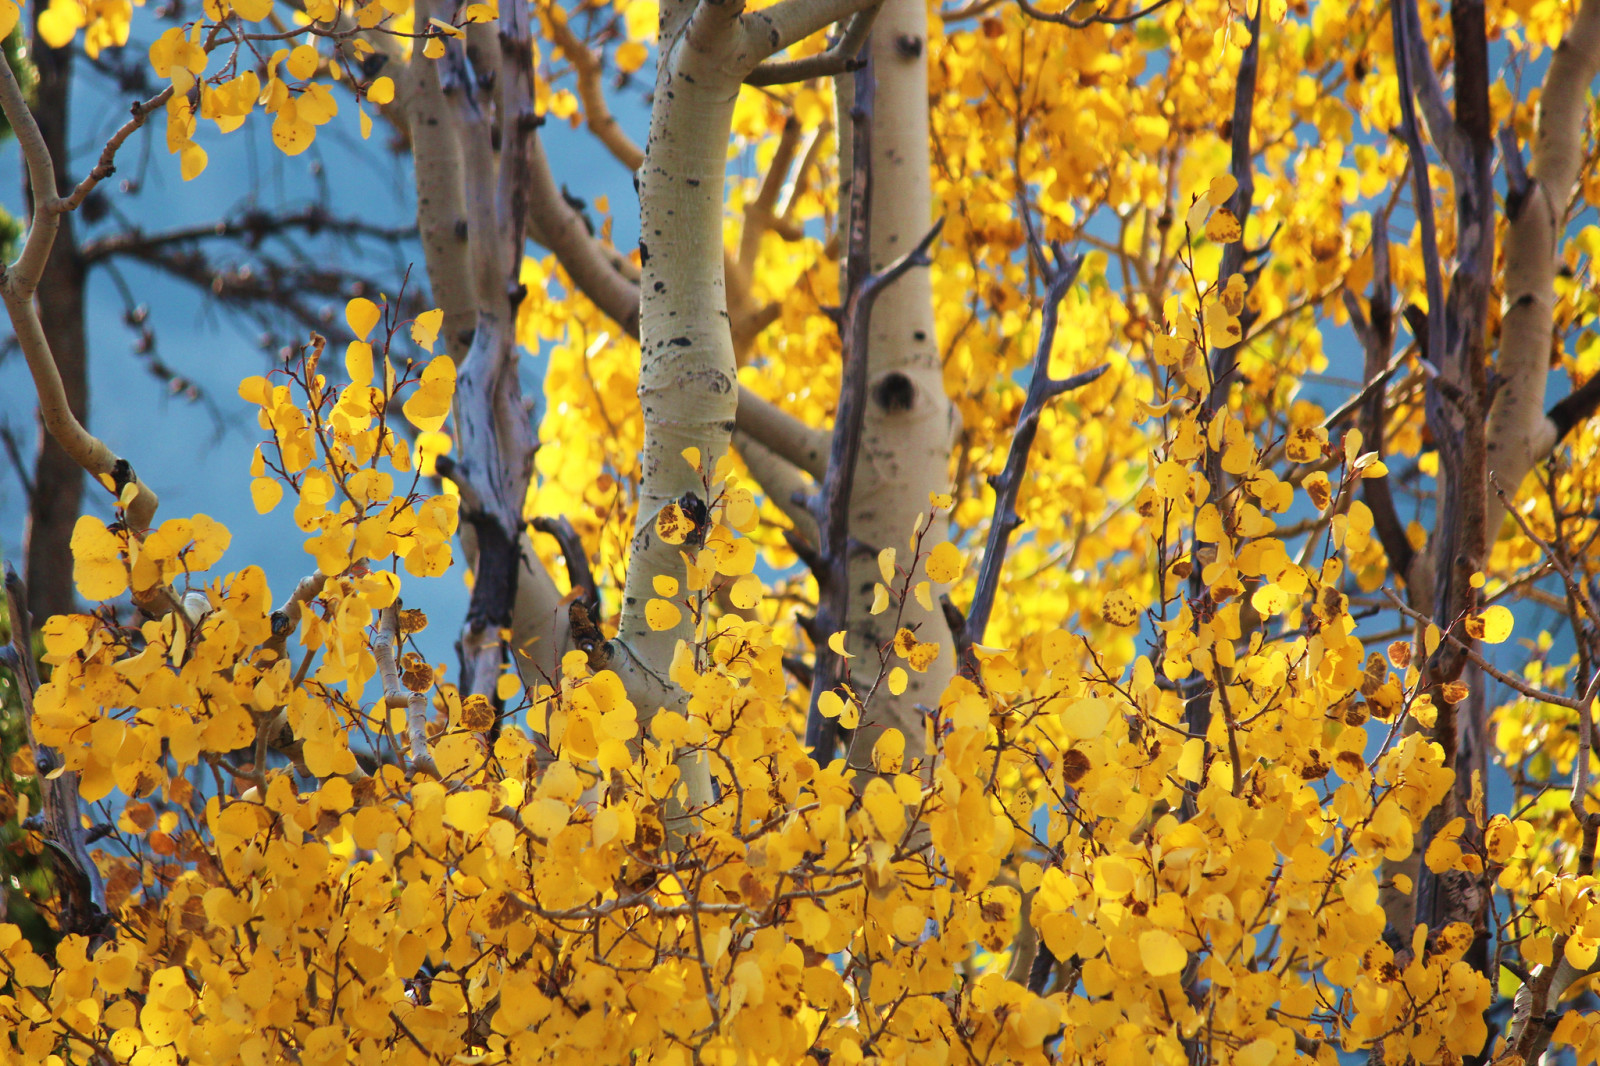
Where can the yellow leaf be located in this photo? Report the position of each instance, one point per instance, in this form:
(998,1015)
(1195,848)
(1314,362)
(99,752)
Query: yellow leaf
(661,614)
(1161,953)
(1500,839)
(429,406)
(58,24)
(365,122)
(880,598)
(1221,188)
(836,644)
(381,91)
(97,564)
(897,680)
(1086,718)
(358,361)
(265,492)
(9,14)
(886,566)
(362,314)
(746,592)
(673,525)
(425,328)
(302,62)
(468,811)
(192,161)
(1497,622)
(1223,227)
(888,754)
(944,563)
(631,55)
(507,687)
(665,585)
(1119,609)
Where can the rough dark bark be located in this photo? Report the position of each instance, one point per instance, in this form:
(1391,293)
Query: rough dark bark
(57,479)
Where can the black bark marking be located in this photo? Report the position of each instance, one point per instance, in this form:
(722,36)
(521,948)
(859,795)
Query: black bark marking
(895,393)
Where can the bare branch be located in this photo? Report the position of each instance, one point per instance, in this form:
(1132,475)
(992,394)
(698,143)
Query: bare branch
(106,165)
(841,57)
(596,112)
(788,22)
(785,435)
(1041,389)
(1065,18)
(579,574)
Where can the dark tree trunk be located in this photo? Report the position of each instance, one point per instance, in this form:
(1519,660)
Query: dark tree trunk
(57,480)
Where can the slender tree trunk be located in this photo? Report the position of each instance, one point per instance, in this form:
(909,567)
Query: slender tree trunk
(57,479)
(910,424)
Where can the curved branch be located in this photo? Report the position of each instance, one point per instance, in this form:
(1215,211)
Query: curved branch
(596,112)
(17,288)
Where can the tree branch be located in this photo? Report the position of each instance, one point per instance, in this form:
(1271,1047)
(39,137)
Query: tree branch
(841,57)
(17,288)
(788,22)
(1042,388)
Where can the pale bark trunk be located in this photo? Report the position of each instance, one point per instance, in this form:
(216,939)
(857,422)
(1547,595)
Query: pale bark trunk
(687,375)
(910,424)
(1520,434)
(473,140)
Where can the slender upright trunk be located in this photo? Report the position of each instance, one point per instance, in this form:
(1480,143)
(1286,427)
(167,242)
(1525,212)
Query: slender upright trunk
(910,424)
(57,478)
